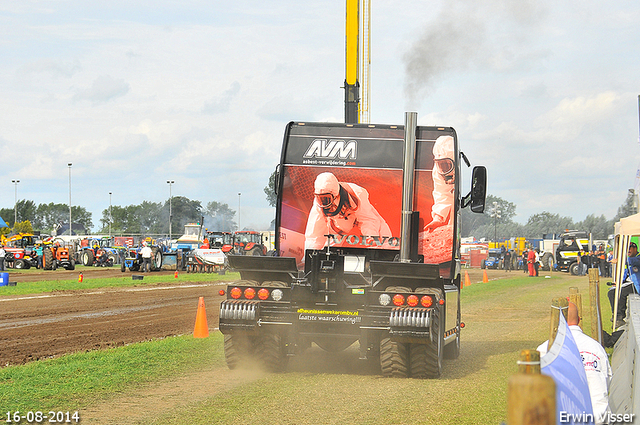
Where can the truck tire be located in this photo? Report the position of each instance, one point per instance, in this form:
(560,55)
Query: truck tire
(72,265)
(434,350)
(271,353)
(394,358)
(47,259)
(237,348)
(274,283)
(21,264)
(574,269)
(87,257)
(156,259)
(255,251)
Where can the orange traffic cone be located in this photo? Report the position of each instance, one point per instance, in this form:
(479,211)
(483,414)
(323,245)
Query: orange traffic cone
(467,281)
(201,330)
(485,278)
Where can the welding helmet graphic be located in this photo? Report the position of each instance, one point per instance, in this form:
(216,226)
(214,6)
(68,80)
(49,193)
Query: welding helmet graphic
(443,155)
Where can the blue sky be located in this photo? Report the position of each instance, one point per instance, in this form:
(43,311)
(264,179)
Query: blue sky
(136,93)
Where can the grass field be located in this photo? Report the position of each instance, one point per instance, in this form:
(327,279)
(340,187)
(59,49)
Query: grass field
(115,282)
(502,317)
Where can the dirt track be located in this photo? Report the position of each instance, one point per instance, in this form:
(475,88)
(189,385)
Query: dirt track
(47,325)
(39,326)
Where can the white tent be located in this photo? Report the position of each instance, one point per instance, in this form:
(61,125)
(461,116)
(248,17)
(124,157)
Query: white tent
(629,226)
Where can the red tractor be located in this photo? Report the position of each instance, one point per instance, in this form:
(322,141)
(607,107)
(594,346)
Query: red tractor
(248,242)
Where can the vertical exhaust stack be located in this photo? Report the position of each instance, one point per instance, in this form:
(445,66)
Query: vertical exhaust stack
(408,173)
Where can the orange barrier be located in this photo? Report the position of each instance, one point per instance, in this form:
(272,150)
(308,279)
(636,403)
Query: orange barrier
(201,329)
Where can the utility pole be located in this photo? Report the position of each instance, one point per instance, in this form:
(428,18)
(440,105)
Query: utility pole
(110,216)
(15,205)
(170,182)
(70,225)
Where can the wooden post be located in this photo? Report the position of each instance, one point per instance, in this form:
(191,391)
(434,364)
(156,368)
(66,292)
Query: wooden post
(557,305)
(531,396)
(576,297)
(594,298)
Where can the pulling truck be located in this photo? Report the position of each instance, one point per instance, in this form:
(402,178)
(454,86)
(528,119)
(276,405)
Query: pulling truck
(397,292)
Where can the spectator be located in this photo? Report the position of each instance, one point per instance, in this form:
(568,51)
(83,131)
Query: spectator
(531,259)
(2,254)
(631,275)
(146,252)
(596,365)
(536,264)
(507,260)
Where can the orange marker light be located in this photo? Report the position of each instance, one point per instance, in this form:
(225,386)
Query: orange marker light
(263,293)
(249,293)
(426,301)
(398,299)
(412,300)
(221,292)
(236,293)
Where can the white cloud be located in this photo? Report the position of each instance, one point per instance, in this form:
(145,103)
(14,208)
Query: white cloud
(103,89)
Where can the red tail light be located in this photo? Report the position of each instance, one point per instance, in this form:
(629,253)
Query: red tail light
(236,293)
(441,302)
(263,294)
(249,293)
(221,292)
(398,299)
(412,300)
(426,301)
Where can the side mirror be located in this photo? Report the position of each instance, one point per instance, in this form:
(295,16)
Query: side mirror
(276,186)
(477,197)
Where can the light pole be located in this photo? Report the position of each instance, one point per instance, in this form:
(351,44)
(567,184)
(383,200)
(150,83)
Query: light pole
(110,216)
(495,215)
(70,225)
(170,182)
(239,228)
(15,205)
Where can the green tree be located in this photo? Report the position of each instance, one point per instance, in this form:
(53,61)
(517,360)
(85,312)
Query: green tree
(628,208)
(183,210)
(545,223)
(598,226)
(7,215)
(270,190)
(22,227)
(221,217)
(51,214)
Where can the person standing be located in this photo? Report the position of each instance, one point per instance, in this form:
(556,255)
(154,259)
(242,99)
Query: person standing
(531,259)
(536,264)
(2,255)
(507,260)
(595,362)
(146,252)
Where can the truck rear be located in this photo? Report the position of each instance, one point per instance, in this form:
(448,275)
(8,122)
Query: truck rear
(368,224)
